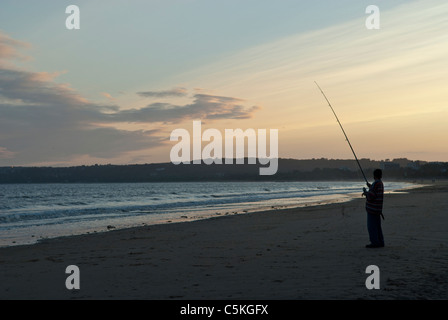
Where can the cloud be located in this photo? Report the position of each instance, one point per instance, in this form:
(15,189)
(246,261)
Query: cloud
(42,120)
(57,126)
(9,48)
(108,96)
(5,153)
(36,88)
(203,107)
(175,92)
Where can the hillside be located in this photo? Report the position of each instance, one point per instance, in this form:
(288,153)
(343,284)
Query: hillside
(288,169)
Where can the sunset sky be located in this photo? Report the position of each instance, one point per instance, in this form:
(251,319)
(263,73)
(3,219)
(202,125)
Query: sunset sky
(113,91)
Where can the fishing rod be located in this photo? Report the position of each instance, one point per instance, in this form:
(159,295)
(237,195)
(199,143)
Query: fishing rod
(356,158)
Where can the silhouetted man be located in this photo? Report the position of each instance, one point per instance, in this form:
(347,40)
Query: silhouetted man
(374,208)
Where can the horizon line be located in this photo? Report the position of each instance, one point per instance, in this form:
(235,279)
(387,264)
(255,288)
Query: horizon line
(233,159)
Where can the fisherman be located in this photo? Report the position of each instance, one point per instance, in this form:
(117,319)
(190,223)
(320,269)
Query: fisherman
(374,196)
(374,208)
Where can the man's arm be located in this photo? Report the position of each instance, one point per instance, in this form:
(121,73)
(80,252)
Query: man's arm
(371,193)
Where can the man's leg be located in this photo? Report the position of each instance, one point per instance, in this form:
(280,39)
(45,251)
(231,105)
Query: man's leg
(380,233)
(374,228)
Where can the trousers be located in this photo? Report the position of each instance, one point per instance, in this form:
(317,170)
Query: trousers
(374,228)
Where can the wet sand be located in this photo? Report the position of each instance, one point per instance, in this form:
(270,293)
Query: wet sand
(303,253)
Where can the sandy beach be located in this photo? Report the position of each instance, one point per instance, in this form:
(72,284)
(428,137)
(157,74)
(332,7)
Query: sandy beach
(304,253)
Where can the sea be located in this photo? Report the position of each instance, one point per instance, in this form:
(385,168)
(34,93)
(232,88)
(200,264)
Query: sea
(32,212)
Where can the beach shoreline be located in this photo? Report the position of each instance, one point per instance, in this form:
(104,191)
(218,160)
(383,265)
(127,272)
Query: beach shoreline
(314,252)
(38,230)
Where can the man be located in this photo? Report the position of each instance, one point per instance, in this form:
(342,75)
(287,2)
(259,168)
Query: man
(374,208)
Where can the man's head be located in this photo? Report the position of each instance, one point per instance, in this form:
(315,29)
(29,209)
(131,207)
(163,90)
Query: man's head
(377,174)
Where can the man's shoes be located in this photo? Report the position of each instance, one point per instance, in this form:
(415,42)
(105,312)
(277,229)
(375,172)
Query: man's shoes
(374,246)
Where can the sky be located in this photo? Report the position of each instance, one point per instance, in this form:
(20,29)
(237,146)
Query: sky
(114,90)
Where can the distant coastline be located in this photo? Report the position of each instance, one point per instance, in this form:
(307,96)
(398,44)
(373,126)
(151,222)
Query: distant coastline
(288,170)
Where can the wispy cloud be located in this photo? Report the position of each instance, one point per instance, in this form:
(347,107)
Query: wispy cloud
(10,48)
(410,48)
(203,107)
(108,96)
(175,92)
(5,153)
(369,75)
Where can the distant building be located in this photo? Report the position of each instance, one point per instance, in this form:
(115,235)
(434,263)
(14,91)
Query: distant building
(413,165)
(388,165)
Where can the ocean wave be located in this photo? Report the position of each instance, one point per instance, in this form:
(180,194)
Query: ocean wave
(86,202)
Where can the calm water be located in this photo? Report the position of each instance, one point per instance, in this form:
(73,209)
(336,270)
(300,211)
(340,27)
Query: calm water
(29,212)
